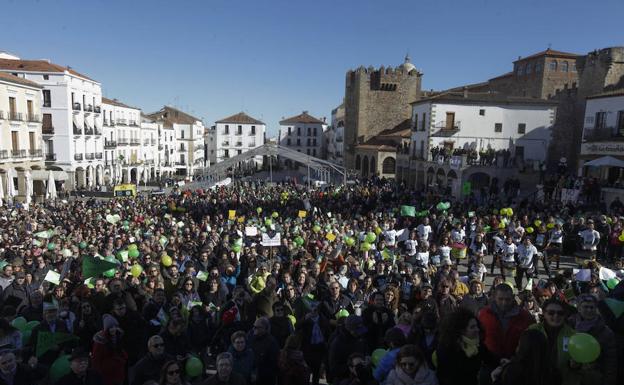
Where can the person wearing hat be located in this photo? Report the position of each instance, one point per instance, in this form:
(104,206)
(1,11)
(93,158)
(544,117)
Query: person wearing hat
(108,357)
(349,339)
(588,320)
(18,292)
(50,324)
(80,373)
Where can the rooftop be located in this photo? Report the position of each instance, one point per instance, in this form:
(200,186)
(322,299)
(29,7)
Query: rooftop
(483,98)
(550,52)
(607,94)
(37,66)
(16,79)
(115,102)
(170,116)
(241,118)
(304,117)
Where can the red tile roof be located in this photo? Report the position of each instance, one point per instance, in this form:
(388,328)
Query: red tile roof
(302,118)
(241,118)
(37,66)
(550,52)
(169,115)
(115,102)
(16,79)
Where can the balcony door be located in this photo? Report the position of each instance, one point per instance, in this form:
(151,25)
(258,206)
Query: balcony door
(450,120)
(31,141)
(12,107)
(29,108)
(15,140)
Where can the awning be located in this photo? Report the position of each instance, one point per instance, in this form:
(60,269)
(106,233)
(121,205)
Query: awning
(605,161)
(43,175)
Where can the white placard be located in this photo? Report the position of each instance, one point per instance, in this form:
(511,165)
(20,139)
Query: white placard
(276,240)
(251,231)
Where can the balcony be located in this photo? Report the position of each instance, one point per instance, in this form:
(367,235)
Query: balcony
(97,109)
(446,129)
(47,130)
(111,123)
(105,122)
(16,116)
(135,142)
(161,146)
(110,144)
(1,115)
(339,139)
(146,143)
(122,122)
(98,155)
(50,157)
(239,144)
(182,148)
(133,123)
(225,144)
(4,154)
(76,107)
(35,153)
(123,142)
(88,108)
(77,156)
(34,118)
(18,154)
(97,131)
(90,156)
(88,131)
(605,134)
(153,142)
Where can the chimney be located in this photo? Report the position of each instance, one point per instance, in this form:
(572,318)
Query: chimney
(305,112)
(465,92)
(324,119)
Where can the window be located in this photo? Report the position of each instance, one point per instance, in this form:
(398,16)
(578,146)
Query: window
(308,142)
(298,142)
(498,127)
(388,166)
(47,98)
(182,134)
(298,131)
(601,120)
(574,67)
(226,130)
(520,70)
(529,68)
(315,132)
(253,130)
(239,130)
(538,67)
(521,128)
(226,153)
(238,152)
(415,122)
(308,151)
(309,131)
(424,119)
(482,112)
(288,142)
(564,66)
(12,107)
(46,77)
(314,152)
(553,65)
(289,130)
(620,123)
(314,142)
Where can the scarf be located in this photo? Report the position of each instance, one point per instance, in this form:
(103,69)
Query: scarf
(470,346)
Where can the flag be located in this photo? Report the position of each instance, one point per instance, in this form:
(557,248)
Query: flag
(408,211)
(123,254)
(92,267)
(302,214)
(48,340)
(387,254)
(163,241)
(231,215)
(192,304)
(53,277)
(202,276)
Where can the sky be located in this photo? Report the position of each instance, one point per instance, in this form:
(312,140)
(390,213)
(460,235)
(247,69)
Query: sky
(277,58)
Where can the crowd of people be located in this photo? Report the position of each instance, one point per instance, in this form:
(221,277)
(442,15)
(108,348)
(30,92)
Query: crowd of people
(272,284)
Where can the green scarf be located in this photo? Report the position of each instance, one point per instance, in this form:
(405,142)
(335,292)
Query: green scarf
(470,346)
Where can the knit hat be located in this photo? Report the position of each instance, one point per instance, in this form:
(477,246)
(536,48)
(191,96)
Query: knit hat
(109,322)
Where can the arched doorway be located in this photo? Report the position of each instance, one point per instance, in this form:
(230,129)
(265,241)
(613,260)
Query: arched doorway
(389,165)
(358,161)
(365,166)
(479,180)
(133,175)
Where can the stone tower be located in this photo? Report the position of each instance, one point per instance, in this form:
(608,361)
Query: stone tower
(376,100)
(601,70)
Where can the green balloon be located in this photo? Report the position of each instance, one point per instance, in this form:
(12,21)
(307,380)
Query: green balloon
(109,273)
(194,367)
(299,241)
(59,368)
(275,214)
(82,245)
(236,248)
(19,323)
(370,237)
(51,246)
(126,223)
(365,246)
(316,228)
(31,325)
(342,313)
(268,222)
(350,241)
(584,348)
(134,253)
(612,283)
(133,247)
(377,356)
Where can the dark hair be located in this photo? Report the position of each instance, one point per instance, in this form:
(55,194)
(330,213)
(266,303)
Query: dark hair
(553,301)
(452,327)
(532,356)
(394,337)
(165,369)
(411,351)
(503,288)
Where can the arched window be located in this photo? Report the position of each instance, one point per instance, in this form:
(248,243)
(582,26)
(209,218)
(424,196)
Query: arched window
(564,66)
(365,166)
(358,162)
(373,165)
(553,65)
(389,166)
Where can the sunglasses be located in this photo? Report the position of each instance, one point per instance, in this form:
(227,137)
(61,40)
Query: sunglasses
(158,345)
(173,372)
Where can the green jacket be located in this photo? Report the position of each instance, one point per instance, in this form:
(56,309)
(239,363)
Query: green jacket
(560,354)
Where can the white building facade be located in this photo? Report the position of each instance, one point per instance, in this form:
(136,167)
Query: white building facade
(303,133)
(235,135)
(71,116)
(21,141)
(474,137)
(335,136)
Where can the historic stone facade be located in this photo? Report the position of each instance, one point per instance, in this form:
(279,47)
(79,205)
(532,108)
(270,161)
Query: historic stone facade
(377,100)
(601,70)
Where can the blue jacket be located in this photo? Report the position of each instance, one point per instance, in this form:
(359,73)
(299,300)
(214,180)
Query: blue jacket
(385,365)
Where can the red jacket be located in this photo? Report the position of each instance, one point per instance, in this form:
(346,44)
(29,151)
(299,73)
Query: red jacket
(502,344)
(109,363)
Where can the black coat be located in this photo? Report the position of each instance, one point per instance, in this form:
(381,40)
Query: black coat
(24,375)
(91,378)
(341,346)
(148,368)
(454,367)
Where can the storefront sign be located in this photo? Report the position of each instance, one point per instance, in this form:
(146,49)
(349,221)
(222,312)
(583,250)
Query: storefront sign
(602,149)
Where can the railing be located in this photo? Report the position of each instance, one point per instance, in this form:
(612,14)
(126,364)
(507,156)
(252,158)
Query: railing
(110,144)
(239,144)
(153,141)
(35,153)
(4,154)
(1,115)
(47,130)
(18,153)
(34,118)
(89,108)
(135,142)
(239,132)
(161,146)
(98,155)
(133,123)
(50,157)
(226,143)
(88,131)
(90,156)
(111,123)
(97,131)
(16,116)
(105,122)
(97,109)
(146,142)
(123,122)
(339,139)
(181,148)
(77,156)
(452,126)
(602,134)
(76,107)
(123,141)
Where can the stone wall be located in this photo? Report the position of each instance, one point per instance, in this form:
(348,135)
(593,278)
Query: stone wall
(601,70)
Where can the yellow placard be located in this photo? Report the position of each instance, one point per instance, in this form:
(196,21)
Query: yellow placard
(302,213)
(241,219)
(330,236)
(231,214)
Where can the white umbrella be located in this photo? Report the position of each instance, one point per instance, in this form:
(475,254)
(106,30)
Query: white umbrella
(29,186)
(51,192)
(1,191)
(606,161)
(10,185)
